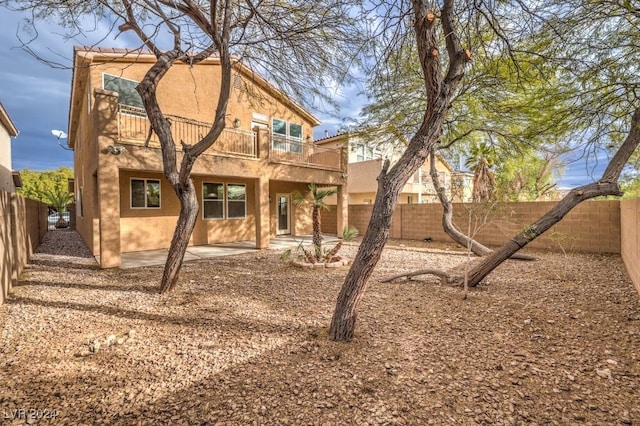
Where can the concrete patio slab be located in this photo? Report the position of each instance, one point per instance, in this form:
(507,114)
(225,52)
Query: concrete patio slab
(159,257)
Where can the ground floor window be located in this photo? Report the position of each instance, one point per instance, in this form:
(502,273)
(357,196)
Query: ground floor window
(145,194)
(236,201)
(215,196)
(213,200)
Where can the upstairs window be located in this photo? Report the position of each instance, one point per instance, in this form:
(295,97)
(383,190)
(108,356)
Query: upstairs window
(145,194)
(126,90)
(286,136)
(365,152)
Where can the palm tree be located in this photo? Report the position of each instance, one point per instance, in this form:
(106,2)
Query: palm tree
(481,160)
(58,199)
(317,201)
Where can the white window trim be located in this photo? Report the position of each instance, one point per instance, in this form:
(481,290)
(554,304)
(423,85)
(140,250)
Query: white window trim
(145,194)
(224,201)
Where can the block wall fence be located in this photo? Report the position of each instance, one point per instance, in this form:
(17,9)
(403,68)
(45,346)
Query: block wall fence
(609,226)
(23,223)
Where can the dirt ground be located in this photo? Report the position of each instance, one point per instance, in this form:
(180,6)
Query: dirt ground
(244,341)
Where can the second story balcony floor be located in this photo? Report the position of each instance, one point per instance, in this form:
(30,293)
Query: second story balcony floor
(134,128)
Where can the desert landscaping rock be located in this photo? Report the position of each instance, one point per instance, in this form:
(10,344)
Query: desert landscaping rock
(244,341)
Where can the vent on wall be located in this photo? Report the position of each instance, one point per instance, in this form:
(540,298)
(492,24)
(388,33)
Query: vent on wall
(237,82)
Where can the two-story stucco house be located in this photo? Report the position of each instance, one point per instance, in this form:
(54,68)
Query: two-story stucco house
(9,179)
(365,162)
(245,181)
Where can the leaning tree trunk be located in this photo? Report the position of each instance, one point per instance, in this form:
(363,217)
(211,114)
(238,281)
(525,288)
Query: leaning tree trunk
(447,214)
(447,218)
(440,88)
(607,185)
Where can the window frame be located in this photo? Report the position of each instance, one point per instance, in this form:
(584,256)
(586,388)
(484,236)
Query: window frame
(285,141)
(146,194)
(229,200)
(223,201)
(120,97)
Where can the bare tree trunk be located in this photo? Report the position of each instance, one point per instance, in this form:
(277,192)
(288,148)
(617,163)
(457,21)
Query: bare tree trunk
(607,185)
(447,218)
(184,228)
(345,315)
(447,214)
(439,88)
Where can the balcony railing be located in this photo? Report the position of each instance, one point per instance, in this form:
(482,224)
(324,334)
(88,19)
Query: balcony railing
(133,126)
(293,151)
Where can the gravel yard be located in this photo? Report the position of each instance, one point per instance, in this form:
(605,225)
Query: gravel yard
(244,341)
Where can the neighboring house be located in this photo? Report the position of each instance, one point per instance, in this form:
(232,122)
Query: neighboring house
(462,187)
(9,180)
(244,182)
(365,162)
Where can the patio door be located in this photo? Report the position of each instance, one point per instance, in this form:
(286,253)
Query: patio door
(283,213)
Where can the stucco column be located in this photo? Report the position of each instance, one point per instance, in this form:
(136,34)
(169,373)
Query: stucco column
(262,211)
(342,213)
(106,119)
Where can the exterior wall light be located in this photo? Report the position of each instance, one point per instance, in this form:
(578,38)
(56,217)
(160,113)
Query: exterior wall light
(236,123)
(116,149)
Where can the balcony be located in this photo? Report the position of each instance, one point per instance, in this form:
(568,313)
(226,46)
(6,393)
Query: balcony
(292,151)
(133,126)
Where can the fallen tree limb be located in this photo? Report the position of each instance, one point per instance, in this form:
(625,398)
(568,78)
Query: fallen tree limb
(444,277)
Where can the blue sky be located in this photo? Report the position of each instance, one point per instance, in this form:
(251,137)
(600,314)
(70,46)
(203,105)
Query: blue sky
(36,96)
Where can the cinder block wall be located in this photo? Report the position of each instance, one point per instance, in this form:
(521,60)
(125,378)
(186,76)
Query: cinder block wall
(630,241)
(593,226)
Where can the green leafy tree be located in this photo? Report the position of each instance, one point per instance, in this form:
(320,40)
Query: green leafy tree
(37,185)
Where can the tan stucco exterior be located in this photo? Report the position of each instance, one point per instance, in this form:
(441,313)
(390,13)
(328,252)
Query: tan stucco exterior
(7,131)
(362,183)
(106,219)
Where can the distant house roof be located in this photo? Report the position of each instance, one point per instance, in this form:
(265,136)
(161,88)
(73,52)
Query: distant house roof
(85,55)
(334,138)
(6,122)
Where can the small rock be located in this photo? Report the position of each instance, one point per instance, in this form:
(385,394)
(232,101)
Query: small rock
(110,340)
(95,346)
(605,373)
(131,333)
(612,362)
(527,321)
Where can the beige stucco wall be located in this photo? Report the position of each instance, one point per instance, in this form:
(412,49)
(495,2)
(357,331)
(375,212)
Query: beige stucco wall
(362,182)
(630,238)
(108,224)
(6,180)
(192,92)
